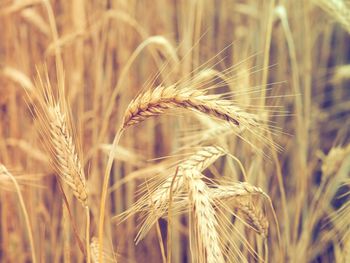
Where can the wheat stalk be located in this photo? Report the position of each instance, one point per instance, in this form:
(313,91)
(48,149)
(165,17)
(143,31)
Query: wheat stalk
(57,132)
(5,172)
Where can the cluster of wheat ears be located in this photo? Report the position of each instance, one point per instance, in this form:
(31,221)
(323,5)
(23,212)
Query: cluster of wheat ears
(125,147)
(187,187)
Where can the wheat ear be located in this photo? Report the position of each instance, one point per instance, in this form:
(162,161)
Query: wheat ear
(199,161)
(65,158)
(159,199)
(57,132)
(220,193)
(95,251)
(254,216)
(55,128)
(157,101)
(206,223)
(106,255)
(338,9)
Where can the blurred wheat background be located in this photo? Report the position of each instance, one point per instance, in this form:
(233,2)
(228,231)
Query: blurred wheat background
(174,131)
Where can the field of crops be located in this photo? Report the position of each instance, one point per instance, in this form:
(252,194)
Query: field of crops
(173,131)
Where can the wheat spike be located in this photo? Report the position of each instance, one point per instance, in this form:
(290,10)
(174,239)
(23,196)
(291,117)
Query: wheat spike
(159,199)
(333,160)
(157,101)
(254,216)
(57,137)
(219,194)
(199,161)
(338,9)
(94,250)
(205,223)
(66,160)
(106,256)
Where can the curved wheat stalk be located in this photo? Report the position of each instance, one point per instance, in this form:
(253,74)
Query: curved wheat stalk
(4,171)
(57,132)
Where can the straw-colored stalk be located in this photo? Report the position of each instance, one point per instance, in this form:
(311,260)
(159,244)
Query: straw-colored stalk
(4,171)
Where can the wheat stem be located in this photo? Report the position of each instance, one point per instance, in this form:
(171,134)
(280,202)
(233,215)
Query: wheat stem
(24,209)
(105,191)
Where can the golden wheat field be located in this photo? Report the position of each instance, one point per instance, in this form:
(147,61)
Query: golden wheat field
(205,131)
